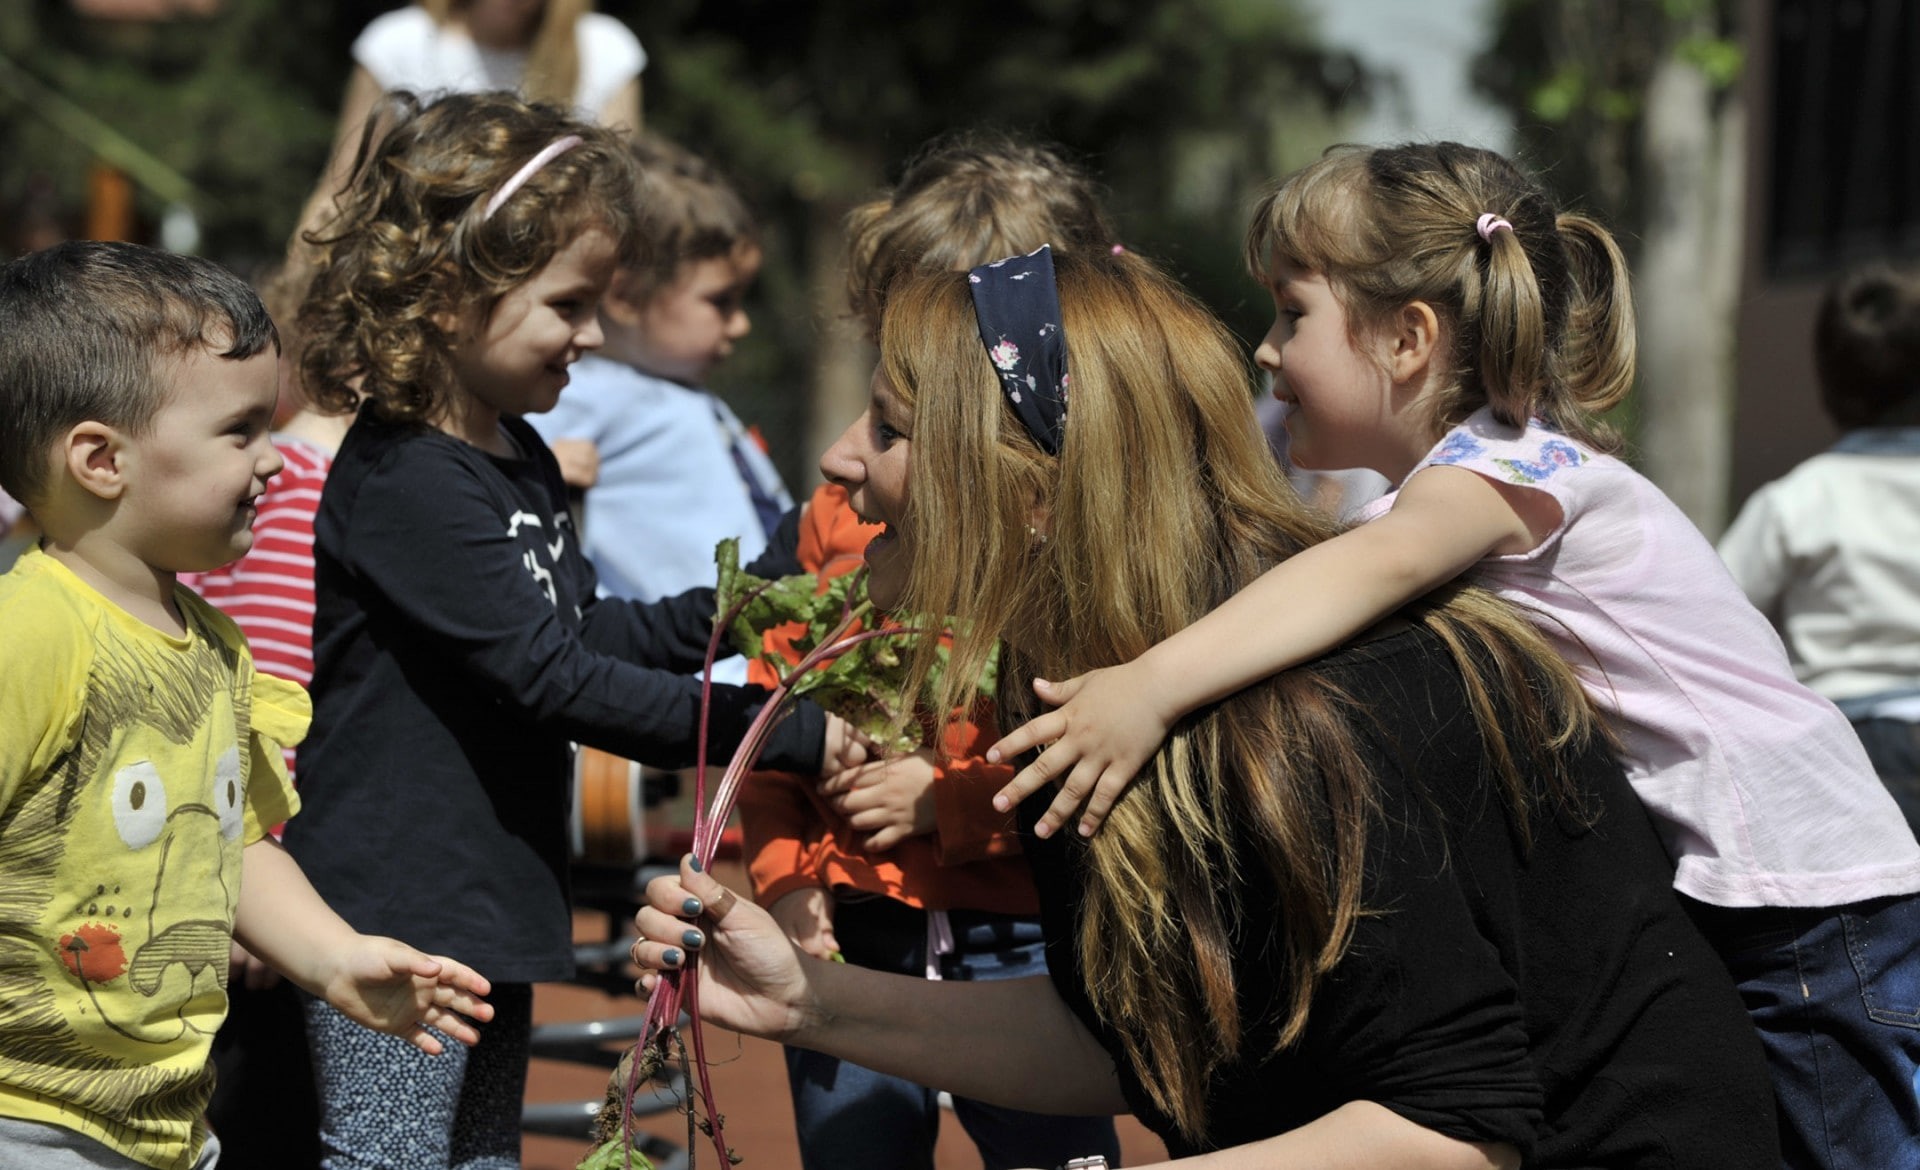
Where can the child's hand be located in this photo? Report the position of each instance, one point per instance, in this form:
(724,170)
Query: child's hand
(1106,729)
(579,461)
(388,986)
(889,799)
(807,918)
(845,747)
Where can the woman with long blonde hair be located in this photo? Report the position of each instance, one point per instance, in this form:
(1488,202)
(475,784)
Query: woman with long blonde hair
(1394,906)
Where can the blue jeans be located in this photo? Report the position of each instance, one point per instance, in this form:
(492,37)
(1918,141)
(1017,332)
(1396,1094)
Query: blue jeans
(1894,747)
(1835,993)
(852,1118)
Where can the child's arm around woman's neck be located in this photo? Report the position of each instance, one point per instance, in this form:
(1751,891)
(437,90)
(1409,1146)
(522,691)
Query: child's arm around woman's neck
(1112,721)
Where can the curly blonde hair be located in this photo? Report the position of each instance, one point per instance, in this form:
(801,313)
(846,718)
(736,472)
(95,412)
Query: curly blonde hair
(412,250)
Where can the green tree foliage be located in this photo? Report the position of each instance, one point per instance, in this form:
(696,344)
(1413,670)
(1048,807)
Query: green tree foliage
(1183,107)
(1575,74)
(240,104)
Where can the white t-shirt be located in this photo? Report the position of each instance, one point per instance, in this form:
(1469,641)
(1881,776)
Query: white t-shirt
(1759,787)
(405,49)
(1831,554)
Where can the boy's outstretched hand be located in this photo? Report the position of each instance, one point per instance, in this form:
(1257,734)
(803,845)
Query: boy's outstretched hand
(388,986)
(1107,725)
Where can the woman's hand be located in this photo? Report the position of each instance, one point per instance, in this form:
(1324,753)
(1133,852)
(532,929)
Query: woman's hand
(751,977)
(807,917)
(889,800)
(388,986)
(1107,725)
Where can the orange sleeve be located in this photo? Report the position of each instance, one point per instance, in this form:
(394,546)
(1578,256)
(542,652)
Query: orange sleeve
(781,824)
(782,834)
(968,827)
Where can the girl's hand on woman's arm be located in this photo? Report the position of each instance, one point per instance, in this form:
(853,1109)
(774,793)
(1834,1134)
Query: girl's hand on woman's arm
(1106,726)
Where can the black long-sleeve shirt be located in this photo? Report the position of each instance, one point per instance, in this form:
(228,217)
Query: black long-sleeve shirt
(459,652)
(1550,993)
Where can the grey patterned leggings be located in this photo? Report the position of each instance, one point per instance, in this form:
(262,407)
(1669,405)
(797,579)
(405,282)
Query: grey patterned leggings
(386,1105)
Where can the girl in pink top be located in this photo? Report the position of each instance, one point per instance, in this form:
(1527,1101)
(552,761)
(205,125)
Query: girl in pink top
(1437,321)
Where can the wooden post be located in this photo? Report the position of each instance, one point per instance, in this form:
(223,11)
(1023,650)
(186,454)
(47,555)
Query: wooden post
(109,203)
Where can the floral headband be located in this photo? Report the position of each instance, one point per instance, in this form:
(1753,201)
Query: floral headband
(1017,306)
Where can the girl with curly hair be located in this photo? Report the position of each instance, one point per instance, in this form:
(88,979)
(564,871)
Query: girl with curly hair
(459,646)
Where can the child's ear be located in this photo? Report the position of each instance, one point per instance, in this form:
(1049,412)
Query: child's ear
(95,454)
(1416,337)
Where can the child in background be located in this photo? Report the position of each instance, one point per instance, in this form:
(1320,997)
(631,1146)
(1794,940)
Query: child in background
(459,645)
(1438,321)
(901,865)
(139,751)
(677,471)
(1831,552)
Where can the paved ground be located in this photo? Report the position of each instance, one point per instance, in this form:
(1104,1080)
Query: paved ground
(749,1081)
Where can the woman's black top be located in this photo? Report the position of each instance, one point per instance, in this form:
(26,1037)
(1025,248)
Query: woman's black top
(1551,995)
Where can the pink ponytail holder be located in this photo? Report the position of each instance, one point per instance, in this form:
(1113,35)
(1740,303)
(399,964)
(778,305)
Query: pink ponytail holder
(551,151)
(1489,223)
(1119,248)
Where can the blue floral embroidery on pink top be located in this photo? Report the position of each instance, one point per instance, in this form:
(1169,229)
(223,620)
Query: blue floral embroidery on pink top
(1457,447)
(1555,454)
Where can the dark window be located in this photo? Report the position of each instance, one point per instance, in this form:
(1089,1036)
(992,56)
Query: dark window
(1845,134)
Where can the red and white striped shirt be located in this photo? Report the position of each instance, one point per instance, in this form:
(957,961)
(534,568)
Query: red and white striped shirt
(269,592)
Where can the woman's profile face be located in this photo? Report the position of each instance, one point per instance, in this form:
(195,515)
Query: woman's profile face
(871,460)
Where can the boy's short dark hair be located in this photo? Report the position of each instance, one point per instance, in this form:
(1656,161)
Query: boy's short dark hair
(81,327)
(1866,344)
(688,212)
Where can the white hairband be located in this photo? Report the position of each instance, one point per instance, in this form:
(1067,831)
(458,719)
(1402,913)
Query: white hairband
(551,151)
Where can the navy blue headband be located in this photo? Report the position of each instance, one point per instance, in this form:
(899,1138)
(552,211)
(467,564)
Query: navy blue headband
(1017,307)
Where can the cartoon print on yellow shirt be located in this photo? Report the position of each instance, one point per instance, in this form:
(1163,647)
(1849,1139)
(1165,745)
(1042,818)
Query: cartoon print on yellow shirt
(123,866)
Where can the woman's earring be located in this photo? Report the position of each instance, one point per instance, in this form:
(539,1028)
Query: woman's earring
(1035,536)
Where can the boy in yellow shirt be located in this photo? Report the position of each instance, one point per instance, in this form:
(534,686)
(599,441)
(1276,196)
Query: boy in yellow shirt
(140,758)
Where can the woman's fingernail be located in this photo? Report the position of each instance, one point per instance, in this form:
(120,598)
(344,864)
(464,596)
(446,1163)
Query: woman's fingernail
(993,755)
(690,907)
(671,956)
(692,938)
(1043,830)
(695,863)
(1001,804)
(1086,828)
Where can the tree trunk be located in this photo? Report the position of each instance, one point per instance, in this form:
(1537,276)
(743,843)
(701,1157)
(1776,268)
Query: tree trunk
(1685,288)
